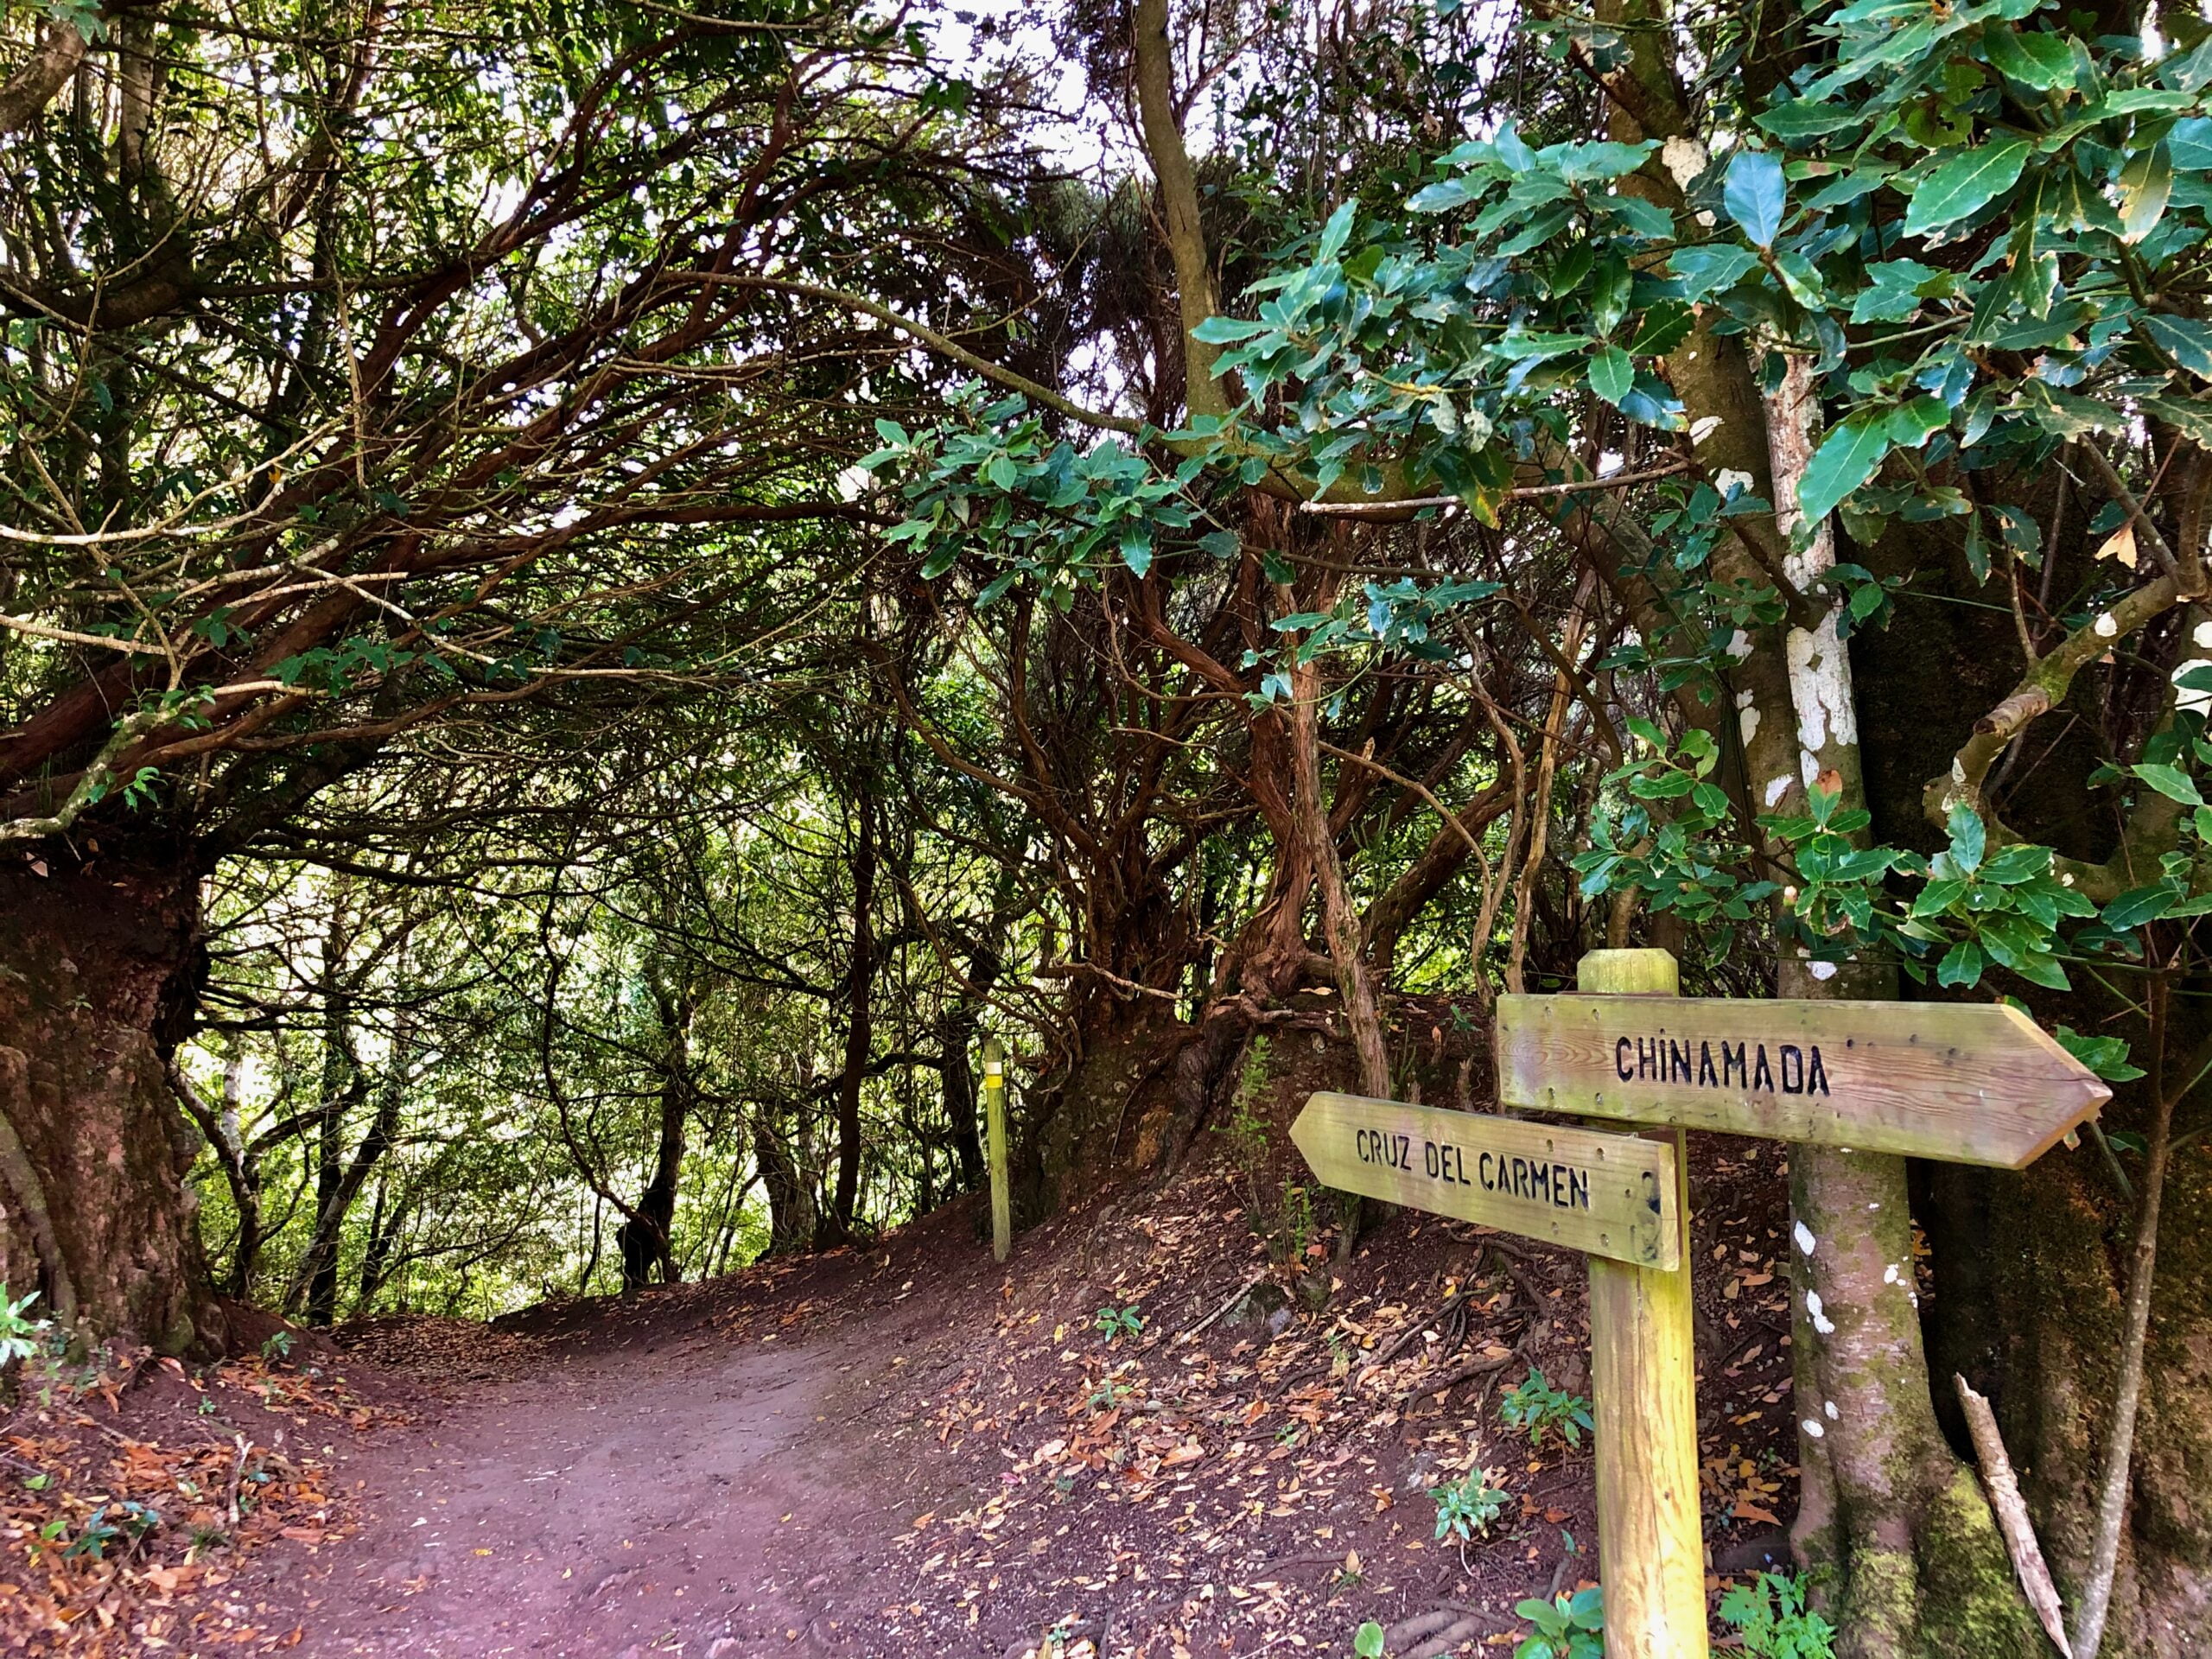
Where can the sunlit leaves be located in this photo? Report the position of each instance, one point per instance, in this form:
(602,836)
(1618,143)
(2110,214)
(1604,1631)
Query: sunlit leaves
(1756,195)
(1963,184)
(2184,339)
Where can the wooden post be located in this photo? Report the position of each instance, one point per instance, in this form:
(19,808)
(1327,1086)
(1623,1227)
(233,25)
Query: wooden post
(994,1146)
(1643,1397)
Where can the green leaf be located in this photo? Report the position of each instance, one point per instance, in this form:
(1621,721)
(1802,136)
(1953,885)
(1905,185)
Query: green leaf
(1707,271)
(1443,196)
(1961,965)
(2043,61)
(1968,837)
(1937,897)
(1756,195)
(1912,424)
(2138,906)
(1797,123)
(2106,1056)
(2145,186)
(1846,458)
(2171,782)
(1337,231)
(1367,1643)
(1612,374)
(1226,331)
(1965,184)
(2186,340)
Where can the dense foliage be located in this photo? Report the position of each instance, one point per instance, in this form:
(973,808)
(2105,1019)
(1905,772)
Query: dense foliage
(642,578)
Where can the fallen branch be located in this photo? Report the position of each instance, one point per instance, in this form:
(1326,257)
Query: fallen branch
(1463,1373)
(2012,1518)
(1192,1331)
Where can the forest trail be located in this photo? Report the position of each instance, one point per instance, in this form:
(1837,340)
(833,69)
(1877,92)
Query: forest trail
(663,1475)
(612,1501)
(908,1450)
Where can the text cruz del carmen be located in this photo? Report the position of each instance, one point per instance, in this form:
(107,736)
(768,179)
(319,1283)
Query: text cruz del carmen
(1560,1184)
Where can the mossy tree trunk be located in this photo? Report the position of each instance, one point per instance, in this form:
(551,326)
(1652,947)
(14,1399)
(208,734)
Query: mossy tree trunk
(100,962)
(2029,1268)
(1918,1565)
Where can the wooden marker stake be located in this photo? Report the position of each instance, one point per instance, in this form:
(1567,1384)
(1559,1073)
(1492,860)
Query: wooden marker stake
(994,1146)
(1643,1397)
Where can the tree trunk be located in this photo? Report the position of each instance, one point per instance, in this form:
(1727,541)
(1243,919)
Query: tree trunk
(1919,1565)
(2029,1287)
(379,1251)
(317,1280)
(789,1184)
(2028,1276)
(860,1033)
(985,961)
(99,964)
(648,1237)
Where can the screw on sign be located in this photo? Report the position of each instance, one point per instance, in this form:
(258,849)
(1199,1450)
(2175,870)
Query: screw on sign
(1973,1084)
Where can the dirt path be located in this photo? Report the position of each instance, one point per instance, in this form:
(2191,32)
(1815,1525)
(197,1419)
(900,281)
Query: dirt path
(682,1498)
(909,1451)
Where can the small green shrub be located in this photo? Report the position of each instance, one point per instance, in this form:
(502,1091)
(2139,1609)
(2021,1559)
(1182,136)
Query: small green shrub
(1113,1322)
(20,1336)
(1469,1509)
(1771,1615)
(1568,1627)
(104,1526)
(1535,1405)
(279,1346)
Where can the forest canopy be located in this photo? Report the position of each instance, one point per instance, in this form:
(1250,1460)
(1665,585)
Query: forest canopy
(592,595)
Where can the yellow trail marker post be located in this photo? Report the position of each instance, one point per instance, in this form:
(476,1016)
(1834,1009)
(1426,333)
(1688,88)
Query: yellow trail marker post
(1643,1397)
(994,1146)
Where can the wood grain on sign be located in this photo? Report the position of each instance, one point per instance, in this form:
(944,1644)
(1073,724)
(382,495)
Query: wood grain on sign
(1963,1082)
(1611,1195)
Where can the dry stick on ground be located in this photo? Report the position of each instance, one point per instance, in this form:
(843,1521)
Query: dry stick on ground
(1434,1634)
(1193,1330)
(2013,1515)
(1468,1371)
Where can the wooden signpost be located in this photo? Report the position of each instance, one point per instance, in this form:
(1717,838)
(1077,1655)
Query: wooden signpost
(1609,1195)
(1976,1084)
(1963,1082)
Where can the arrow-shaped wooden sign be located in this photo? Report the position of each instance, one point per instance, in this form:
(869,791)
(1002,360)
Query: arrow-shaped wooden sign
(1966,1083)
(1611,1195)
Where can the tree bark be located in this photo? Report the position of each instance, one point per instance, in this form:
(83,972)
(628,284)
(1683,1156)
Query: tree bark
(100,962)
(788,1183)
(860,1033)
(2028,1267)
(648,1237)
(317,1280)
(1920,1567)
